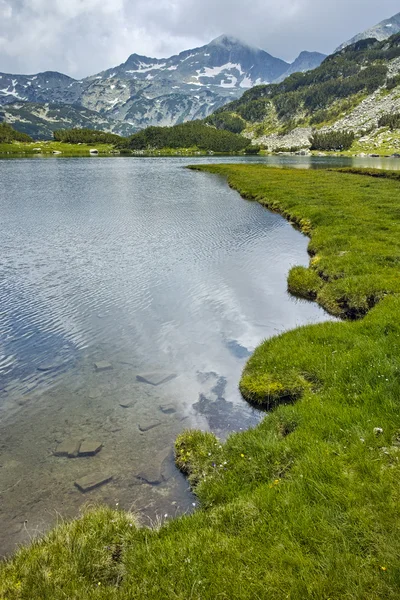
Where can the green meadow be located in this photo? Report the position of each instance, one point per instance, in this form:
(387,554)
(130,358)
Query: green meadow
(307,504)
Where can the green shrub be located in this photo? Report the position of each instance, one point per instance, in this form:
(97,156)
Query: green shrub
(319,117)
(252,150)
(391,120)
(393,82)
(186,135)
(291,149)
(85,136)
(228,121)
(333,140)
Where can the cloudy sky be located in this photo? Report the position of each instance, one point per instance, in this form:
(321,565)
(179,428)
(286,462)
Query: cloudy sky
(83,37)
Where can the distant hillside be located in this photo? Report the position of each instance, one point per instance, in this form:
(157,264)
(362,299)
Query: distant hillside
(380,32)
(41,120)
(351,90)
(9,135)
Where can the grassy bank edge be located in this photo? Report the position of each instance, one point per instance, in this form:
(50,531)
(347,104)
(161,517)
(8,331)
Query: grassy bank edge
(344,546)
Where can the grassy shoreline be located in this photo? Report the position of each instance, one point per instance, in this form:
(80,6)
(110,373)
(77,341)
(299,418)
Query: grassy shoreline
(53,148)
(306,505)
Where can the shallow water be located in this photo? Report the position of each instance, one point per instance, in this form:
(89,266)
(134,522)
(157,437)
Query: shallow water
(152,268)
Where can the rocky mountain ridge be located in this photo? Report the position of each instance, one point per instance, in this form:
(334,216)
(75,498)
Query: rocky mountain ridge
(380,32)
(145,91)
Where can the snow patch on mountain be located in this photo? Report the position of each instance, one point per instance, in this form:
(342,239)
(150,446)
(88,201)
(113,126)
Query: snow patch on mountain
(214,71)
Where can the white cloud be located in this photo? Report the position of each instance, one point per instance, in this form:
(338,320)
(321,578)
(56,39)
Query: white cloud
(82,37)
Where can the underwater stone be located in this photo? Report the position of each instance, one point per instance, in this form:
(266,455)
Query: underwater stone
(151,475)
(103,365)
(92,481)
(89,448)
(155,378)
(44,367)
(69,448)
(147,425)
(127,403)
(167,409)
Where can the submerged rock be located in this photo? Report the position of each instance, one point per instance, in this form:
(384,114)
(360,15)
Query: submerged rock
(158,472)
(103,365)
(156,377)
(68,448)
(127,403)
(167,409)
(147,425)
(151,475)
(49,366)
(89,448)
(92,481)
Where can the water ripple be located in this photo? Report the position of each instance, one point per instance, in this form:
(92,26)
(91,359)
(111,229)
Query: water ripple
(142,256)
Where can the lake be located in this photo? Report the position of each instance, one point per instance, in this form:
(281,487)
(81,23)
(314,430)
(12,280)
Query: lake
(163,277)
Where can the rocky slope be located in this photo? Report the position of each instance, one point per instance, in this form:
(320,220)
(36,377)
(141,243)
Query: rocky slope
(380,32)
(148,91)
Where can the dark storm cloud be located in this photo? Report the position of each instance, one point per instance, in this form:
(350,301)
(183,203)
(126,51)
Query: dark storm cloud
(82,37)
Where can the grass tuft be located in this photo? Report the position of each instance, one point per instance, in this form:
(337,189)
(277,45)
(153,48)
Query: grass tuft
(304,283)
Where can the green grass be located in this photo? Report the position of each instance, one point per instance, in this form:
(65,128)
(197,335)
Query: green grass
(306,505)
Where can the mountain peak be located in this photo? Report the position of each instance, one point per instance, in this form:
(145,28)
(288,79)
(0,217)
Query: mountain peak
(227,41)
(307,54)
